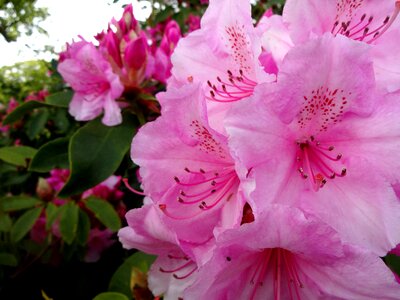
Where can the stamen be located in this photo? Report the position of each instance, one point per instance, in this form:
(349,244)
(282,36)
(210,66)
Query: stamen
(232,90)
(314,158)
(364,29)
(126,183)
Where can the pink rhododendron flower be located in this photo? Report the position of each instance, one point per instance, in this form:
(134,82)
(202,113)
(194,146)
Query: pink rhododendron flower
(38,232)
(125,45)
(285,254)
(98,241)
(374,22)
(96,86)
(57,179)
(222,56)
(193,22)
(38,96)
(186,167)
(108,189)
(162,56)
(321,138)
(175,268)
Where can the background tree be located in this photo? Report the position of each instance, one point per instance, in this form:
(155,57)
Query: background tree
(20,17)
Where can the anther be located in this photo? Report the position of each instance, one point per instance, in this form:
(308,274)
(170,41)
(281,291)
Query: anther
(339,156)
(344,171)
(176,179)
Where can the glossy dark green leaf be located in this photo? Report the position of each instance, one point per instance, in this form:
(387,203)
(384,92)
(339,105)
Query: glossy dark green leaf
(111,296)
(60,99)
(15,203)
(8,259)
(83,228)
(104,212)
(69,222)
(36,123)
(5,222)
(24,224)
(164,14)
(17,155)
(52,155)
(25,108)
(95,152)
(121,280)
(52,212)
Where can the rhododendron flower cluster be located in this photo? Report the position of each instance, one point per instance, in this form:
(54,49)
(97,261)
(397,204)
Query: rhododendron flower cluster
(127,59)
(273,170)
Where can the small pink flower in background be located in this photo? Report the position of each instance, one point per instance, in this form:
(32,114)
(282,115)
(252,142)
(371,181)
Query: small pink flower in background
(285,254)
(193,22)
(12,104)
(162,55)
(98,241)
(57,179)
(96,87)
(38,233)
(37,96)
(304,142)
(107,190)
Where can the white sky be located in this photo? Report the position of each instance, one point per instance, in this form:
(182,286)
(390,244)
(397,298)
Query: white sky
(67,20)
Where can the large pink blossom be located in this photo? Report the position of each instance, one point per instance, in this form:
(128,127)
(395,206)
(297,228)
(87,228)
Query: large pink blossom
(323,139)
(222,56)
(286,254)
(186,167)
(96,87)
(374,22)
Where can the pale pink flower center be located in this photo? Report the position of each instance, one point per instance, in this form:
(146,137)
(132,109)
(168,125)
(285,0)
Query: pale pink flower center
(365,27)
(186,267)
(282,265)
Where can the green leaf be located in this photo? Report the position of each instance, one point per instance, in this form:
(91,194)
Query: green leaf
(104,212)
(111,296)
(8,259)
(36,123)
(95,152)
(52,212)
(23,109)
(5,222)
(17,155)
(121,280)
(24,224)
(83,228)
(16,203)
(52,155)
(69,222)
(164,14)
(60,99)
